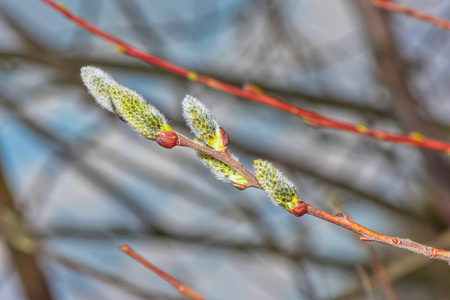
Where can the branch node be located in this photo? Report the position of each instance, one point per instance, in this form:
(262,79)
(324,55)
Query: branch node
(396,241)
(125,248)
(433,253)
(224,136)
(344,217)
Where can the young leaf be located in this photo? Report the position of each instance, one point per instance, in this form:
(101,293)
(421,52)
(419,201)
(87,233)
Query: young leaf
(275,184)
(223,171)
(203,124)
(128,105)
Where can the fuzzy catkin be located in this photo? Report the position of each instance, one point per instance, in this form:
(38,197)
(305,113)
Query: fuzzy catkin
(202,123)
(275,184)
(124,102)
(222,171)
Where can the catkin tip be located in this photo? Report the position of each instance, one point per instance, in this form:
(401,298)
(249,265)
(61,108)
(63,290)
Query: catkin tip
(98,83)
(202,123)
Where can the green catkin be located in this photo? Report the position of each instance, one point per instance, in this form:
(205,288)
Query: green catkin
(203,125)
(126,103)
(207,132)
(148,121)
(222,171)
(275,184)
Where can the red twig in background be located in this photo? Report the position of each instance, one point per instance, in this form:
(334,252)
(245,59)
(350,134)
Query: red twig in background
(401,9)
(414,139)
(182,289)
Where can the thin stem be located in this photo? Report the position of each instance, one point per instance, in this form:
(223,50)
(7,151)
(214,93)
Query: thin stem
(368,235)
(309,117)
(401,9)
(223,156)
(181,288)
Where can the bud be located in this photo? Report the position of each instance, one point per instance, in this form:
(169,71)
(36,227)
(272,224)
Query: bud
(203,125)
(275,184)
(224,136)
(300,208)
(240,187)
(167,139)
(128,105)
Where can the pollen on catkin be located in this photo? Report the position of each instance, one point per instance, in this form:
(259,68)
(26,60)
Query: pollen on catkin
(124,102)
(202,123)
(222,171)
(275,184)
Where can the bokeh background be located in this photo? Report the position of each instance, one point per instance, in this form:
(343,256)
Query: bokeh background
(76,182)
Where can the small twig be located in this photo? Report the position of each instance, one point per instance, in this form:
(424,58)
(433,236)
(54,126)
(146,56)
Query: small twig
(401,9)
(379,270)
(93,273)
(309,117)
(181,288)
(301,208)
(368,235)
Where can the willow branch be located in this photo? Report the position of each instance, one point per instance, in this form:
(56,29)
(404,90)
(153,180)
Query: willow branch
(256,95)
(401,9)
(327,100)
(341,220)
(181,288)
(96,274)
(368,235)
(249,93)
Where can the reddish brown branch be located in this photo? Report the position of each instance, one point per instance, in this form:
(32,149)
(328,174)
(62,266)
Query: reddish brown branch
(301,208)
(368,235)
(182,289)
(308,117)
(401,9)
